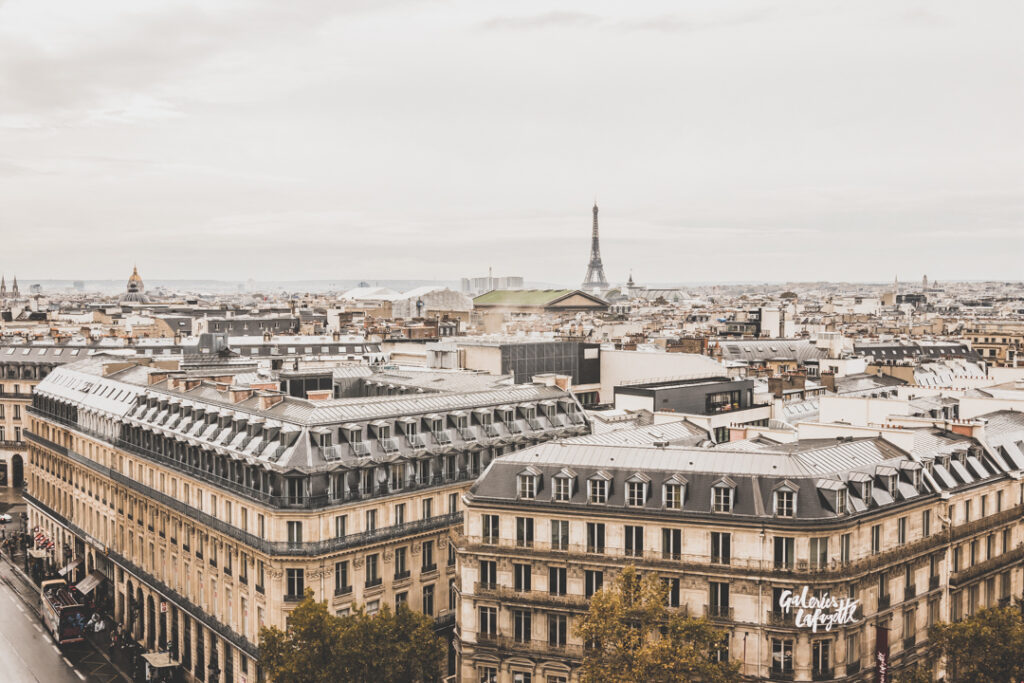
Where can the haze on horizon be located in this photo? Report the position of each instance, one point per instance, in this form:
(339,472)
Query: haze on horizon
(409,139)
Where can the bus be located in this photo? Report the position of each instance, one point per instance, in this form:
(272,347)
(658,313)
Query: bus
(63,614)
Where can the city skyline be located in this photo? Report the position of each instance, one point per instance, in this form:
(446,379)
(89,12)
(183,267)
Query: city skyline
(752,142)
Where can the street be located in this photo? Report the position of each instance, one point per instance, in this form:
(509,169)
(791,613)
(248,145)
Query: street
(27,653)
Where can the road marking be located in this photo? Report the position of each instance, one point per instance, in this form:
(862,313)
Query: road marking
(20,608)
(38,627)
(68,662)
(79,674)
(55,648)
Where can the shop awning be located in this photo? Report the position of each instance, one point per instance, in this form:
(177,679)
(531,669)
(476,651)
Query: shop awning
(86,585)
(37,553)
(71,565)
(159,660)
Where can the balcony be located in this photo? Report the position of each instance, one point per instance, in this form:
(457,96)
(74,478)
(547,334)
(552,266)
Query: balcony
(405,574)
(822,674)
(534,598)
(884,601)
(718,612)
(992,564)
(293,598)
(933,583)
(909,642)
(779,618)
(909,591)
(852,668)
(782,675)
(373,583)
(539,647)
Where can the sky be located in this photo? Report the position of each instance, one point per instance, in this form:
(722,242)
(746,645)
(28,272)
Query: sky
(433,139)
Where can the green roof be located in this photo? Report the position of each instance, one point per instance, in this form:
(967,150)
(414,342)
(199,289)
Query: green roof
(521,297)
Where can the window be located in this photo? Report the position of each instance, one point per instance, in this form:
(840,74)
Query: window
(296,583)
(524,532)
(488,573)
(401,598)
(876,539)
(295,532)
(852,649)
(671,544)
(841,502)
(821,658)
(819,552)
(957,551)
(428,557)
(260,575)
(428,600)
(967,511)
(926,523)
(563,489)
(400,514)
(782,656)
(901,530)
(490,529)
(558,628)
(521,575)
(595,537)
(635,493)
(784,552)
(488,674)
(673,494)
(489,622)
(634,541)
(341,581)
(428,508)
(844,548)
(371,520)
(559,534)
(401,563)
(527,486)
(999,501)
(718,599)
(453,503)
(785,503)
(593,581)
(721,551)
(522,621)
(597,491)
(556,580)
(721,499)
(372,571)
(522,677)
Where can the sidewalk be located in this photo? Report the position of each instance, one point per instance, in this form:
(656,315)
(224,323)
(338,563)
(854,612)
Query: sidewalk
(100,642)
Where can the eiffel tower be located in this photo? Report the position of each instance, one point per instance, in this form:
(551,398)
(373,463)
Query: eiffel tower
(595,278)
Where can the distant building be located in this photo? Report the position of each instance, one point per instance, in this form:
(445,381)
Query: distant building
(532,301)
(479,285)
(135,292)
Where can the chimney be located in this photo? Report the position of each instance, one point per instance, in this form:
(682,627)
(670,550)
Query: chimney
(268,400)
(319,395)
(239,394)
(828,380)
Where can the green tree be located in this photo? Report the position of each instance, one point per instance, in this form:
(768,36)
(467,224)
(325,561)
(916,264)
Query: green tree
(918,673)
(985,648)
(317,647)
(635,638)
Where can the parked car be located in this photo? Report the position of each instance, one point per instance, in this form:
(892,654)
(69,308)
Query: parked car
(5,518)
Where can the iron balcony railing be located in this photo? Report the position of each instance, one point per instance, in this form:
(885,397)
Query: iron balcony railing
(991,564)
(278,501)
(274,548)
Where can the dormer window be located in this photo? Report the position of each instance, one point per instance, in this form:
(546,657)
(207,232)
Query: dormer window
(597,489)
(785,503)
(635,493)
(841,503)
(865,491)
(561,485)
(636,489)
(893,484)
(528,483)
(673,493)
(722,495)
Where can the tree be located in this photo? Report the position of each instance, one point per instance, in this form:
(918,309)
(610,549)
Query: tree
(634,638)
(985,648)
(918,673)
(317,647)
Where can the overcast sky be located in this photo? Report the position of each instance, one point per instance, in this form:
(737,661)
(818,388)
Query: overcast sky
(329,139)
